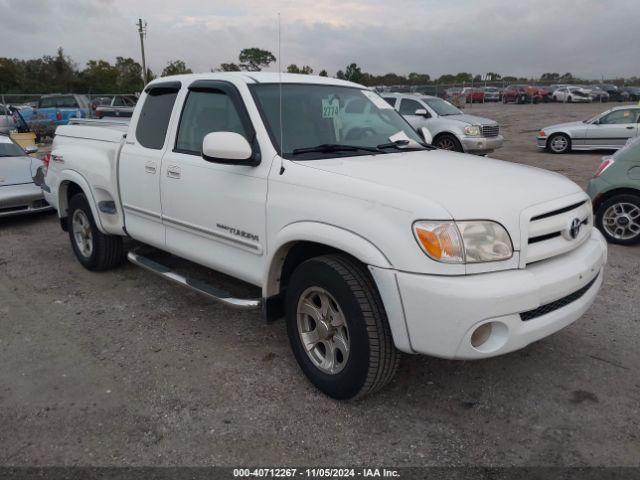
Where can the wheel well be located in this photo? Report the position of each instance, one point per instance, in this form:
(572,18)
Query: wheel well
(555,134)
(67,190)
(600,199)
(288,258)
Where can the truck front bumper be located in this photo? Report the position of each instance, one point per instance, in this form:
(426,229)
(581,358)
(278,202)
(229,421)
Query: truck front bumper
(485,315)
(481,145)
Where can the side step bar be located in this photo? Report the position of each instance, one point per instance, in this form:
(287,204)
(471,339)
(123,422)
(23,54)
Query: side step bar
(195,285)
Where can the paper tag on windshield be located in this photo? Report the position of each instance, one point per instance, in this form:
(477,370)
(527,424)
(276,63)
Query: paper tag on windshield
(330,108)
(377,100)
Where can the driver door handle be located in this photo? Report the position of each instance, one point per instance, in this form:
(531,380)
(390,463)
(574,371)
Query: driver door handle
(173,171)
(630,127)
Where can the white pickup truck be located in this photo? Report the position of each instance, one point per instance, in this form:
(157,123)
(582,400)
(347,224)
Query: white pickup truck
(369,241)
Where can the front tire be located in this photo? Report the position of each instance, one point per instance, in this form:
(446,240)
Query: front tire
(93,249)
(618,218)
(559,143)
(448,142)
(338,328)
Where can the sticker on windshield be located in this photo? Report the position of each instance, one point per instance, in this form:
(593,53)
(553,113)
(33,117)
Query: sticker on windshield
(330,107)
(377,100)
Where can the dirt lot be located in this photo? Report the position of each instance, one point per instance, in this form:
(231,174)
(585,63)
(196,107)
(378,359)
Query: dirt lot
(122,368)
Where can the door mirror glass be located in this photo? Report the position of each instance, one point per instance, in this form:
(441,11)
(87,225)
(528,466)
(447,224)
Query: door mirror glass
(226,147)
(31,149)
(426,135)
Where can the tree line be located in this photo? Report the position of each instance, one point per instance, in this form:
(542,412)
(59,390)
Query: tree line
(60,74)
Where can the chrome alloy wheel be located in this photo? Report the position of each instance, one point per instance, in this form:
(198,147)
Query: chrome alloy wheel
(82,233)
(622,221)
(559,143)
(323,330)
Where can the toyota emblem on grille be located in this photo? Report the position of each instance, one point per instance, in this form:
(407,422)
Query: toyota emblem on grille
(574,228)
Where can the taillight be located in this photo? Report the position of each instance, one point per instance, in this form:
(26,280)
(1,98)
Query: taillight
(58,116)
(45,160)
(606,163)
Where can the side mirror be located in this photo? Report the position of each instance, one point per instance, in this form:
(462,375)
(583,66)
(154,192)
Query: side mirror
(31,149)
(421,112)
(426,135)
(227,147)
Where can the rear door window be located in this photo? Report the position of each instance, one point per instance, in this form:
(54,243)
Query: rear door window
(153,123)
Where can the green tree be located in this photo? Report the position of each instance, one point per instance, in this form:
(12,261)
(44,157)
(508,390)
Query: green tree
(353,73)
(255,59)
(175,67)
(418,78)
(129,75)
(305,70)
(323,73)
(99,76)
(228,67)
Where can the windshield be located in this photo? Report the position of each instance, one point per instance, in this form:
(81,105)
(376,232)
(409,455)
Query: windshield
(331,117)
(442,107)
(10,149)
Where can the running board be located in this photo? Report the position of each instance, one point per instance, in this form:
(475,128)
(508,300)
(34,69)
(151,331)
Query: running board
(195,285)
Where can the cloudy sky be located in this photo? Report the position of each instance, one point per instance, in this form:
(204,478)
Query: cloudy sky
(589,38)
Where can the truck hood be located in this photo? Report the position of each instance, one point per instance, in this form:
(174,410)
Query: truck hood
(466,186)
(16,170)
(470,119)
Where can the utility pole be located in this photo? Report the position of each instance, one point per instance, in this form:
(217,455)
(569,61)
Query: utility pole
(142,30)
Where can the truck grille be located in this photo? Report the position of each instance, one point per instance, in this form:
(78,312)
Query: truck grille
(490,130)
(558,304)
(550,233)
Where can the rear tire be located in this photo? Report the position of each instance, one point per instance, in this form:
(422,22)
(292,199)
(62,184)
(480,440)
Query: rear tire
(93,249)
(347,351)
(618,218)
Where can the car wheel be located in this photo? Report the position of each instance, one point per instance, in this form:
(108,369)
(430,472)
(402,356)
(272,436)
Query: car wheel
(559,143)
(94,250)
(618,218)
(338,328)
(447,142)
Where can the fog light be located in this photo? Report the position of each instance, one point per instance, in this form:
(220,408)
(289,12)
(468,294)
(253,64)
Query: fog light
(481,334)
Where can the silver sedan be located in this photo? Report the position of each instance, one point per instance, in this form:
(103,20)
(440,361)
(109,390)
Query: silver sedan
(18,192)
(609,130)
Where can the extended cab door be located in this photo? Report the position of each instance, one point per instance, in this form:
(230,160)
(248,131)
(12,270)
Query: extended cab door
(614,128)
(214,213)
(139,165)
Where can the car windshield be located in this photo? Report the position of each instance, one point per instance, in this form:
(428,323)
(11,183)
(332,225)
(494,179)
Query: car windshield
(9,149)
(324,121)
(442,107)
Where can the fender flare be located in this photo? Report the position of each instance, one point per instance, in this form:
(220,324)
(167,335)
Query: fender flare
(322,233)
(66,176)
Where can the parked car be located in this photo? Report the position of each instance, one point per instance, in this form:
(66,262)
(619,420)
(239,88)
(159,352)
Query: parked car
(117,106)
(615,193)
(55,110)
(492,94)
(18,193)
(7,120)
(629,94)
(521,94)
(367,246)
(609,130)
(571,95)
(473,95)
(450,128)
(598,94)
(612,90)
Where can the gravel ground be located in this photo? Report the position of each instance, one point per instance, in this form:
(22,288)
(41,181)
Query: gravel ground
(123,368)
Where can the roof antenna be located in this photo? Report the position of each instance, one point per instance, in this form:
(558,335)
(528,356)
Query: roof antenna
(280,101)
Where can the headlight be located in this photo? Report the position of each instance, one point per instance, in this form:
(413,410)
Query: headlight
(472,130)
(464,242)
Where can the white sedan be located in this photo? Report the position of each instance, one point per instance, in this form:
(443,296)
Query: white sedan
(571,94)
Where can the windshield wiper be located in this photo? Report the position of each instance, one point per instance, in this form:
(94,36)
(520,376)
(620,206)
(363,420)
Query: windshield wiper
(334,147)
(404,145)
